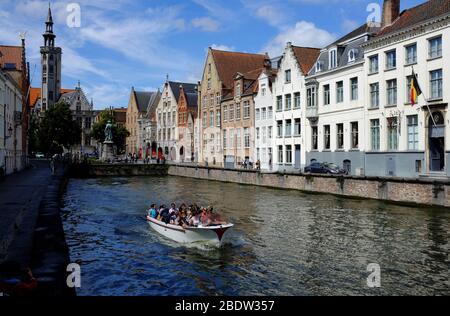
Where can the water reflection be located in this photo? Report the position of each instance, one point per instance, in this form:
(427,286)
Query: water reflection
(284,242)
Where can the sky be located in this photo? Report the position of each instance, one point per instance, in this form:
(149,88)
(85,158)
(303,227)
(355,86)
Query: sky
(136,43)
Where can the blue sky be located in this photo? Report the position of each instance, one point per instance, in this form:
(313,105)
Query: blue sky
(129,43)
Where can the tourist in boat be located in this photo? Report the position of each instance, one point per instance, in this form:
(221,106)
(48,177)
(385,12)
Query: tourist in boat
(195,219)
(173,209)
(205,218)
(164,215)
(152,212)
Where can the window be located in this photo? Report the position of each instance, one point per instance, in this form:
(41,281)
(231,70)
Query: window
(209,83)
(411,54)
(231,113)
(339,92)
(247,137)
(436,84)
(326,94)
(391,92)
(297,100)
(280,128)
(287,75)
(246,110)
(333,59)
(280,154)
(352,54)
(205,102)
(264,138)
(258,133)
(224,139)
(435,47)
(270,113)
(225,113)
(279,103)
(391,60)
(373,64)
(258,115)
(289,154)
(340,136)
(238,138)
(375,134)
(413,132)
(392,127)
(263,114)
(218,118)
(288,102)
(211,119)
(270,132)
(218,99)
(231,141)
(375,95)
(314,139)
(209,68)
(326,137)
(297,127)
(355,135)
(319,66)
(354,89)
(238,111)
(311,97)
(288,129)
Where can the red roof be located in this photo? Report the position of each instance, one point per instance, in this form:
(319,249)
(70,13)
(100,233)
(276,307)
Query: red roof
(11,55)
(228,64)
(35,95)
(306,57)
(418,14)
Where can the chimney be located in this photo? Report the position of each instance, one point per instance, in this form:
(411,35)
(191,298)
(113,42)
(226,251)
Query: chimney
(391,11)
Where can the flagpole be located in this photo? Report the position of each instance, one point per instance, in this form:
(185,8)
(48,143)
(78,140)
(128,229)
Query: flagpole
(426,100)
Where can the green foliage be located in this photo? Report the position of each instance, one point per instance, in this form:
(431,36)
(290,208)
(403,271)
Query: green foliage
(119,133)
(56,130)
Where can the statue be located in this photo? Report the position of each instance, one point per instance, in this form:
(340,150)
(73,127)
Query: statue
(108,132)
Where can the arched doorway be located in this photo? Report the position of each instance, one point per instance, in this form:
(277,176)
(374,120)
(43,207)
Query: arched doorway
(182,153)
(436,142)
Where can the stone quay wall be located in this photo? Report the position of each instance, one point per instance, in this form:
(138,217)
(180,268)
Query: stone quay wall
(399,190)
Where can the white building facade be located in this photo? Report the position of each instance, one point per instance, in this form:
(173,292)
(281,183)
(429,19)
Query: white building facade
(403,139)
(264,121)
(289,99)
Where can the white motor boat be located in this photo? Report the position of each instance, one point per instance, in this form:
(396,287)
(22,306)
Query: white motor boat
(186,235)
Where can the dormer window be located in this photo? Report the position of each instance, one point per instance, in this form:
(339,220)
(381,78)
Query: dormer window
(352,54)
(333,58)
(319,66)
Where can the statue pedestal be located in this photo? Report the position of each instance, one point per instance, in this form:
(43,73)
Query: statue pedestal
(108,151)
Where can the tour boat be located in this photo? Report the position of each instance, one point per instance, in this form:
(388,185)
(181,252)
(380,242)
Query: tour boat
(186,235)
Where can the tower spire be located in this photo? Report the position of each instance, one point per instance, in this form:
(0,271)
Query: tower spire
(49,37)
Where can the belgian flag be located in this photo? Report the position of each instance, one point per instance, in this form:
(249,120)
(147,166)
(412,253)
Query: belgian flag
(415,89)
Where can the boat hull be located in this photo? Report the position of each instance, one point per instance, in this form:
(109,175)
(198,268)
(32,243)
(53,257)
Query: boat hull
(213,234)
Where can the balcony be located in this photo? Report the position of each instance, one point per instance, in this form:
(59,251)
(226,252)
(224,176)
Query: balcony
(312,112)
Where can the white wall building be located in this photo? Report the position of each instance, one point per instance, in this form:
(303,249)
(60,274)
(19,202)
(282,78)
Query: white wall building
(335,105)
(402,139)
(264,121)
(289,100)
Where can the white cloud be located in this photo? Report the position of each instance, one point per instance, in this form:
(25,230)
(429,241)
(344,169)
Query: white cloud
(206,24)
(301,34)
(270,14)
(349,25)
(223,47)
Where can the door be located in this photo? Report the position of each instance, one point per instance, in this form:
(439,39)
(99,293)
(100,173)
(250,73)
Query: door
(436,142)
(297,157)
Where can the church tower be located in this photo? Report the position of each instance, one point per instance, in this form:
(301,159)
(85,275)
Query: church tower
(51,66)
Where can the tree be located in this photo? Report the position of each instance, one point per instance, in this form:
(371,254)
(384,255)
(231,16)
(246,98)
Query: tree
(57,130)
(119,133)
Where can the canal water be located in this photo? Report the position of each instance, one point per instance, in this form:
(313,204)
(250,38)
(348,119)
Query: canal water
(284,242)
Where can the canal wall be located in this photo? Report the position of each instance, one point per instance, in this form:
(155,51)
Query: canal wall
(398,190)
(85,170)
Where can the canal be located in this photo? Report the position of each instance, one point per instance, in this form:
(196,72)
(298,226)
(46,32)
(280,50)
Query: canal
(284,242)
